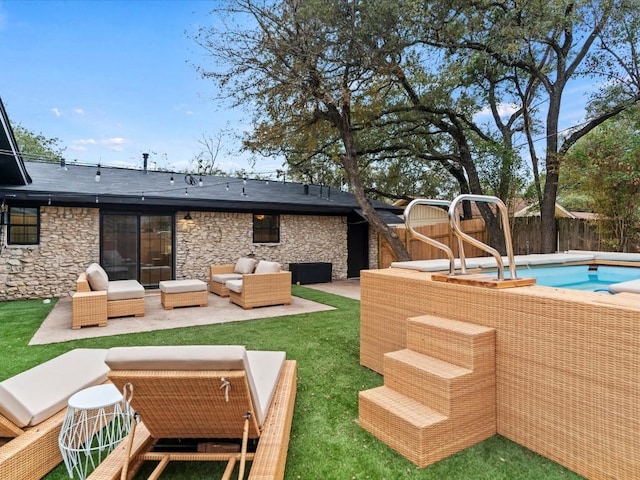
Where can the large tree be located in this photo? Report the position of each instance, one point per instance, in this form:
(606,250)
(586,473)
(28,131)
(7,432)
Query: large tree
(37,147)
(376,87)
(301,63)
(548,44)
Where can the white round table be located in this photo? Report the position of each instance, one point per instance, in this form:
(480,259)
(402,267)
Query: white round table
(97,420)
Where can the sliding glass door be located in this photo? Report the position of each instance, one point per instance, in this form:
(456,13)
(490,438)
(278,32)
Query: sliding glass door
(137,246)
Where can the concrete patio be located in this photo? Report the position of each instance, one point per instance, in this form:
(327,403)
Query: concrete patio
(57,326)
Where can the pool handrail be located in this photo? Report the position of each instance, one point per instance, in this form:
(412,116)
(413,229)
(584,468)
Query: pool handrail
(454,222)
(430,241)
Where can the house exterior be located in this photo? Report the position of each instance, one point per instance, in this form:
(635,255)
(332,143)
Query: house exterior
(153,226)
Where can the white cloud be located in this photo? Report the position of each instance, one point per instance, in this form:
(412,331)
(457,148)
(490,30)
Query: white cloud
(78,111)
(504,109)
(56,112)
(85,141)
(114,144)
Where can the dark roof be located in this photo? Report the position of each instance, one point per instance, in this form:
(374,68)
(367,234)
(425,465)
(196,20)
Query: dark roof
(122,188)
(12,169)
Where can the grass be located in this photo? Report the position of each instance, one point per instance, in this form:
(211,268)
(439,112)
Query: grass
(326,441)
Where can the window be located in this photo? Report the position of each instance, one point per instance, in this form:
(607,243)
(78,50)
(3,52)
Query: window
(266,228)
(24,226)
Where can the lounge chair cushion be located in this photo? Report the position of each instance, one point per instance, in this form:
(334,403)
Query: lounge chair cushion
(245,265)
(124,290)
(234,285)
(263,366)
(35,395)
(97,277)
(630,286)
(224,277)
(182,286)
(267,267)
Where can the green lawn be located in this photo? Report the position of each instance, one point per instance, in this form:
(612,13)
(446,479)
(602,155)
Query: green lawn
(326,441)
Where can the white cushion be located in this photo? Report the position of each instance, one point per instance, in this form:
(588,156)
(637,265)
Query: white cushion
(262,368)
(35,395)
(630,286)
(245,265)
(97,277)
(234,285)
(182,286)
(124,290)
(267,267)
(224,277)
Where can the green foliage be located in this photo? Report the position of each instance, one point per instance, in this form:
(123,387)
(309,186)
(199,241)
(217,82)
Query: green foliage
(605,167)
(326,441)
(35,146)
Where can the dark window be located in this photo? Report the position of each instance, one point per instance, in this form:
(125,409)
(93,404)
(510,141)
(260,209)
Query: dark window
(266,228)
(24,226)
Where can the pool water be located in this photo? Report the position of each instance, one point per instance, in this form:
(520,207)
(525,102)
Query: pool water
(591,278)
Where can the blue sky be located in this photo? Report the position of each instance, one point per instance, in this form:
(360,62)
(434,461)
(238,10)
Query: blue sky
(113,79)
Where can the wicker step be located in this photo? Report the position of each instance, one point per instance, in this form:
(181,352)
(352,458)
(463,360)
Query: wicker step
(465,344)
(429,380)
(412,429)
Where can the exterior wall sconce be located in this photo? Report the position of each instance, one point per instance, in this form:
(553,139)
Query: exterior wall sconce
(188,216)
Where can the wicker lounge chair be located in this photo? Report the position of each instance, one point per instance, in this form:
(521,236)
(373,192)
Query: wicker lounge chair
(32,409)
(204,392)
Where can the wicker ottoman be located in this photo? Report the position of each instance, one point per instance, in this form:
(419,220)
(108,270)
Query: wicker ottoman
(183,293)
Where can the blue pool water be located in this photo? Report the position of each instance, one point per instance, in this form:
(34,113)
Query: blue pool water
(591,278)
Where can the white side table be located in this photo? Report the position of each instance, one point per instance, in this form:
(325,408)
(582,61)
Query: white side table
(97,420)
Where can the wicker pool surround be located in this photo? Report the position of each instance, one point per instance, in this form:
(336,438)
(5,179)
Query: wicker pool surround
(567,362)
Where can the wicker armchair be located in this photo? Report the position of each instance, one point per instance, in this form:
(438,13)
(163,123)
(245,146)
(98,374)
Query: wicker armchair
(94,304)
(220,274)
(267,286)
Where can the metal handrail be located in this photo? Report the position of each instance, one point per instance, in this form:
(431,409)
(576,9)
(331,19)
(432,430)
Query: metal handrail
(429,240)
(454,222)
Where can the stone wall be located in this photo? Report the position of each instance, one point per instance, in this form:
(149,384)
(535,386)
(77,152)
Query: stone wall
(222,237)
(69,241)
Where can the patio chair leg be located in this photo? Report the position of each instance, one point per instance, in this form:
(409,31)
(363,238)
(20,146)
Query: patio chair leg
(245,437)
(125,467)
(231,464)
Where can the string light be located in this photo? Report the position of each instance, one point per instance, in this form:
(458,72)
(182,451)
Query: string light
(98,175)
(200,182)
(186,192)
(171,180)
(227,186)
(142,196)
(97,201)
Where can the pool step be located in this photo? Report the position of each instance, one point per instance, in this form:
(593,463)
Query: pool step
(438,395)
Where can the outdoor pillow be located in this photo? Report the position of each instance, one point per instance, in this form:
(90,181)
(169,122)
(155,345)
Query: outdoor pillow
(97,277)
(245,265)
(267,267)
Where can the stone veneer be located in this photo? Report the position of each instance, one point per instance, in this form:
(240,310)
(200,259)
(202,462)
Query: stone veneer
(69,241)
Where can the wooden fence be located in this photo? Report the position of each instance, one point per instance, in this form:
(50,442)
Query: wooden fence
(573,234)
(421,251)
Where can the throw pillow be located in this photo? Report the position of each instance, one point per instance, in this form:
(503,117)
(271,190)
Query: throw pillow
(245,265)
(97,277)
(267,267)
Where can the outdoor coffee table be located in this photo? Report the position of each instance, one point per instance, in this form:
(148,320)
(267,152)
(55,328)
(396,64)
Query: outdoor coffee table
(98,418)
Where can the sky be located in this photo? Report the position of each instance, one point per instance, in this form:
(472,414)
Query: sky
(114,79)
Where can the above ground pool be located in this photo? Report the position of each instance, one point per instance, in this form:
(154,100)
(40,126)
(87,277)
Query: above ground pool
(591,278)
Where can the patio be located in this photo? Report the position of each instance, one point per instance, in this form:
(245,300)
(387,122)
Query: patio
(57,326)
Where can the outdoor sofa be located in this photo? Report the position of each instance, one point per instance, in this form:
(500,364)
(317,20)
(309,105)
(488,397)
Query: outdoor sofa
(97,298)
(32,408)
(267,285)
